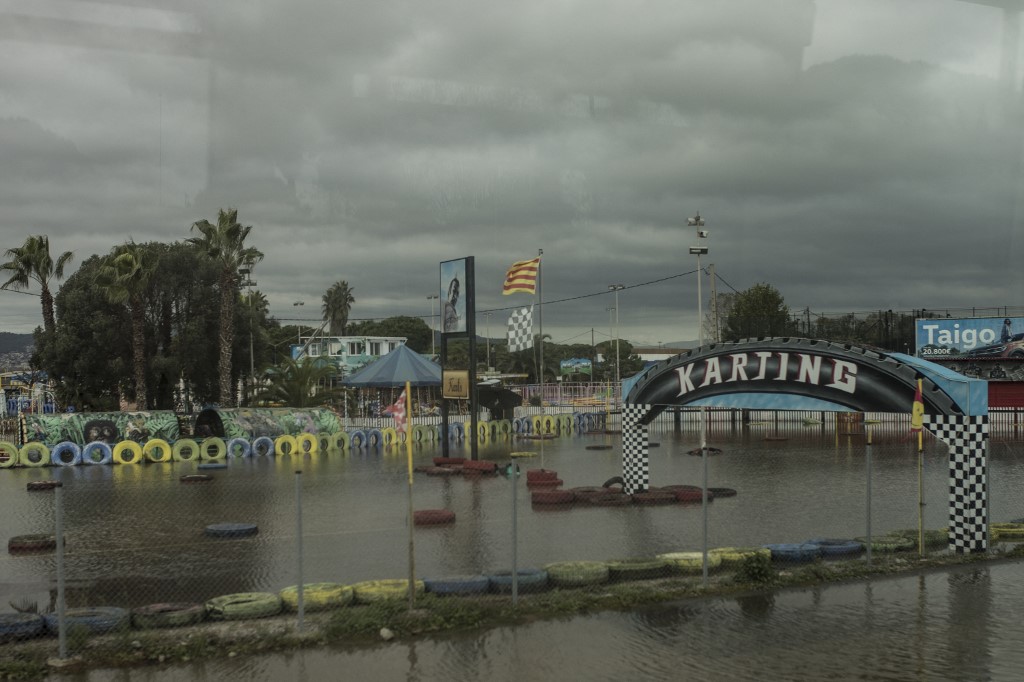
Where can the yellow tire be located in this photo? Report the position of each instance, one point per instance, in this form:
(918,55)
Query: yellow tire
(8,454)
(504,427)
(286,445)
(157,450)
(549,424)
(306,443)
(340,440)
(317,596)
(323,440)
(127,452)
(565,424)
(34,454)
(185,450)
(537,421)
(691,562)
(388,436)
(483,432)
(734,556)
(382,590)
(213,449)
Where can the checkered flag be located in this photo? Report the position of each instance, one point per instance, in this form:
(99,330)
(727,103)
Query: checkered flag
(520,330)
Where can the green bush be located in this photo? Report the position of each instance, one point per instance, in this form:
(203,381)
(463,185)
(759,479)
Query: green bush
(756,569)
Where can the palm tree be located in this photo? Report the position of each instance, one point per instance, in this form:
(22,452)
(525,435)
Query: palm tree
(338,300)
(124,277)
(224,243)
(32,261)
(296,383)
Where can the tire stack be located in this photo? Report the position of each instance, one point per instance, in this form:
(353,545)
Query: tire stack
(544,487)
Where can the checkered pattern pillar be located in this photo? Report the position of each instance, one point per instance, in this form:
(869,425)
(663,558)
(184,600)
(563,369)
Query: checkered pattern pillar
(636,475)
(968,478)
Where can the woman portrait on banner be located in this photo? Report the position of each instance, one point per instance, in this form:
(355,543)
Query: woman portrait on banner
(453,294)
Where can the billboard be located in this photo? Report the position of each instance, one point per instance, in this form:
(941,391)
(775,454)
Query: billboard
(454,294)
(576,366)
(972,338)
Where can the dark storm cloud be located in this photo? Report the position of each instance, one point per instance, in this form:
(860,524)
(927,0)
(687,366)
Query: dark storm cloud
(368,143)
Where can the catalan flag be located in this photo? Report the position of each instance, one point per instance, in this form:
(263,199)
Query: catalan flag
(917,413)
(522,277)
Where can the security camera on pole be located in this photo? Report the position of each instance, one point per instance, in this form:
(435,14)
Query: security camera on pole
(698,251)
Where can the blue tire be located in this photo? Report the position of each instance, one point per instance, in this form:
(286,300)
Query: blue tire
(97,452)
(462,584)
(212,465)
(239,447)
(95,619)
(458,429)
(517,425)
(66,454)
(528,580)
(790,552)
(263,446)
(831,547)
(15,626)
(357,439)
(375,438)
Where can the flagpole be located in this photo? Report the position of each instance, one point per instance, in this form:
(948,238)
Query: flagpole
(540,320)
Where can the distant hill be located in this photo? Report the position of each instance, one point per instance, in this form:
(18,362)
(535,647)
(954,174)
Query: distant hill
(15,350)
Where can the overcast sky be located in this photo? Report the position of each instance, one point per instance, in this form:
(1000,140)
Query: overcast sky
(856,154)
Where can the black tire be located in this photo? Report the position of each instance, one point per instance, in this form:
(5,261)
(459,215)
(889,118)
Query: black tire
(231,530)
(15,626)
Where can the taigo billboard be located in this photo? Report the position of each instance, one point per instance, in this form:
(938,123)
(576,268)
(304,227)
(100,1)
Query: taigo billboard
(972,337)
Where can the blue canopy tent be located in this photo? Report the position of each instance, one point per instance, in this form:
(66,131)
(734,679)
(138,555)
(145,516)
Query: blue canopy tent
(394,369)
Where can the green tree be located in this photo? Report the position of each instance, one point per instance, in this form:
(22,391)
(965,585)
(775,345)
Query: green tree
(337,303)
(301,383)
(124,278)
(224,244)
(32,261)
(760,311)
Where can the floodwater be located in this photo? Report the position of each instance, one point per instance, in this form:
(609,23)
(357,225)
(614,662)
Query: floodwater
(135,536)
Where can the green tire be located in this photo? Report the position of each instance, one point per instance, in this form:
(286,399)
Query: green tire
(577,573)
(370,591)
(317,596)
(243,606)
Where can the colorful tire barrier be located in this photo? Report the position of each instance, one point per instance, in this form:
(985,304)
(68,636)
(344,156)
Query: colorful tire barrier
(95,620)
(459,584)
(537,424)
(231,530)
(213,449)
(127,452)
(357,439)
(340,441)
(168,615)
(185,450)
(285,445)
(34,454)
(371,591)
(577,573)
(263,446)
(66,454)
(734,556)
(97,452)
(389,436)
(8,455)
(243,606)
(239,447)
(307,444)
(317,596)
(157,450)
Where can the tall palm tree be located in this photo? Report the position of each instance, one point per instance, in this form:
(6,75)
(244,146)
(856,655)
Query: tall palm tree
(338,300)
(224,243)
(32,261)
(124,277)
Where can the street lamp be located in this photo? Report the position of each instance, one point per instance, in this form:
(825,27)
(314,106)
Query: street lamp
(488,314)
(699,250)
(245,274)
(299,324)
(618,373)
(432,299)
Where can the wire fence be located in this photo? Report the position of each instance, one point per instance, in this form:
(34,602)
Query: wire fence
(294,537)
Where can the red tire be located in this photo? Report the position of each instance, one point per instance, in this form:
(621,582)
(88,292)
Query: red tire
(442,471)
(552,497)
(432,517)
(655,497)
(691,495)
(586,492)
(483,466)
(553,483)
(43,485)
(541,475)
(609,499)
(31,543)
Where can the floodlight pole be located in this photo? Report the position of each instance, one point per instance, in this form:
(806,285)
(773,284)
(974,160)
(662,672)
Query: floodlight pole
(698,222)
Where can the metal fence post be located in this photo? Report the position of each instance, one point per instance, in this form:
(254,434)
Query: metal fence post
(867,460)
(513,471)
(62,630)
(298,542)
